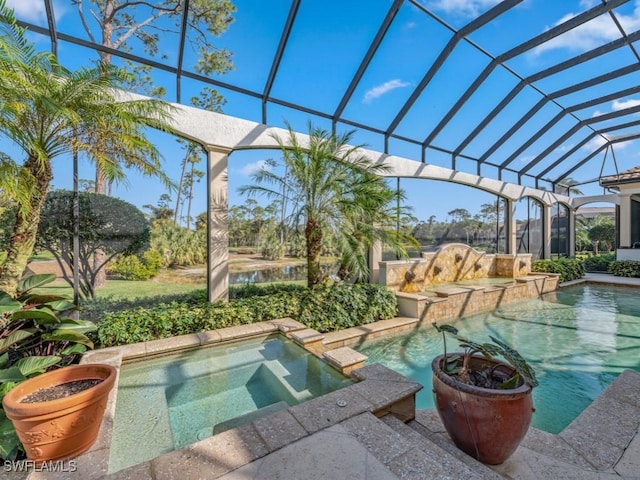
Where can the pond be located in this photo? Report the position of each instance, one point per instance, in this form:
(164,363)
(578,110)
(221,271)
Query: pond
(288,273)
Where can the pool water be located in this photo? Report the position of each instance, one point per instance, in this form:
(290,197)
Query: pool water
(169,402)
(577,339)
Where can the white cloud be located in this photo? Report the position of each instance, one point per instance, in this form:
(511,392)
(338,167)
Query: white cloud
(255,167)
(622,104)
(411,25)
(593,144)
(463,8)
(380,90)
(592,34)
(564,148)
(621,145)
(526,159)
(30,10)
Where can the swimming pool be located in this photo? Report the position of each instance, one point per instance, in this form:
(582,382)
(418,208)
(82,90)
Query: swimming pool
(172,401)
(578,339)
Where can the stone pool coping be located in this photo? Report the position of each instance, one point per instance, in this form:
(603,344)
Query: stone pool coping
(378,387)
(377,390)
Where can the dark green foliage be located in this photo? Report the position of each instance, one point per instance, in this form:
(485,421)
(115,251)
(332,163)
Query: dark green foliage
(106,223)
(37,334)
(568,268)
(324,308)
(625,268)
(257,289)
(599,263)
(328,308)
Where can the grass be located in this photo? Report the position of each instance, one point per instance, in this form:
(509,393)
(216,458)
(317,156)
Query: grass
(125,289)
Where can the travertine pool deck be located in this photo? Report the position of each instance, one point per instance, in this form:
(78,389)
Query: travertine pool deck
(320,444)
(368,430)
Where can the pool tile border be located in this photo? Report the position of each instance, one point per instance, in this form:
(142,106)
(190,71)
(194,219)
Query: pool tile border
(378,390)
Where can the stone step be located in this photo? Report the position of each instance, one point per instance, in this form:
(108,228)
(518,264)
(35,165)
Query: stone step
(407,458)
(248,417)
(442,448)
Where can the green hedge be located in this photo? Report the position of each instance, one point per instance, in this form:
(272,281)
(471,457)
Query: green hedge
(323,308)
(599,263)
(568,268)
(625,268)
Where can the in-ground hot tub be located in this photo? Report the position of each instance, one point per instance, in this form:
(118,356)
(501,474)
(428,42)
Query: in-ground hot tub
(171,401)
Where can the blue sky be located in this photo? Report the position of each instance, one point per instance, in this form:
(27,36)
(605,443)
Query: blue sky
(328,41)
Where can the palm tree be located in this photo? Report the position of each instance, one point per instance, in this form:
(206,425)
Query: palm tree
(331,190)
(48,112)
(569,184)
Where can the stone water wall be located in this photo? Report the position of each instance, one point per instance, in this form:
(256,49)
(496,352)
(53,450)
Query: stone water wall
(450,263)
(454,302)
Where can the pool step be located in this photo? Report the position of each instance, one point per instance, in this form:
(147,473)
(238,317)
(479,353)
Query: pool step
(248,417)
(435,445)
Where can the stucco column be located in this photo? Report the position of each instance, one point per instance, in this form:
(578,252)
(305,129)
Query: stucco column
(374,258)
(571,232)
(510,233)
(546,231)
(625,221)
(217,227)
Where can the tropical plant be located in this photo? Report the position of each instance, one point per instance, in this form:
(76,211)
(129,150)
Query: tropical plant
(49,111)
(178,245)
(568,186)
(458,365)
(328,188)
(108,224)
(36,335)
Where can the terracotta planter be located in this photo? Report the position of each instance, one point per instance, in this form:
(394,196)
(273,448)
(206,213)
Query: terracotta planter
(62,428)
(484,423)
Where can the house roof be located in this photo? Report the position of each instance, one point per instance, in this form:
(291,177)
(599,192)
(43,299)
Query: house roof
(628,176)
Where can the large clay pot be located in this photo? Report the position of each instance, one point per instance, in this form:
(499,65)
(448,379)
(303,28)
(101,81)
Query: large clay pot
(65,427)
(484,423)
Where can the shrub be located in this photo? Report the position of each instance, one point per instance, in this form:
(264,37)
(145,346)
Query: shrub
(625,268)
(568,268)
(599,263)
(258,289)
(272,249)
(132,267)
(328,308)
(324,308)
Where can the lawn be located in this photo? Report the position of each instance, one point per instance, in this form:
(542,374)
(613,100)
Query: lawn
(125,289)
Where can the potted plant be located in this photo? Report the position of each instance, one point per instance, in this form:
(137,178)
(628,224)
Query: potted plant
(484,403)
(57,415)
(36,336)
